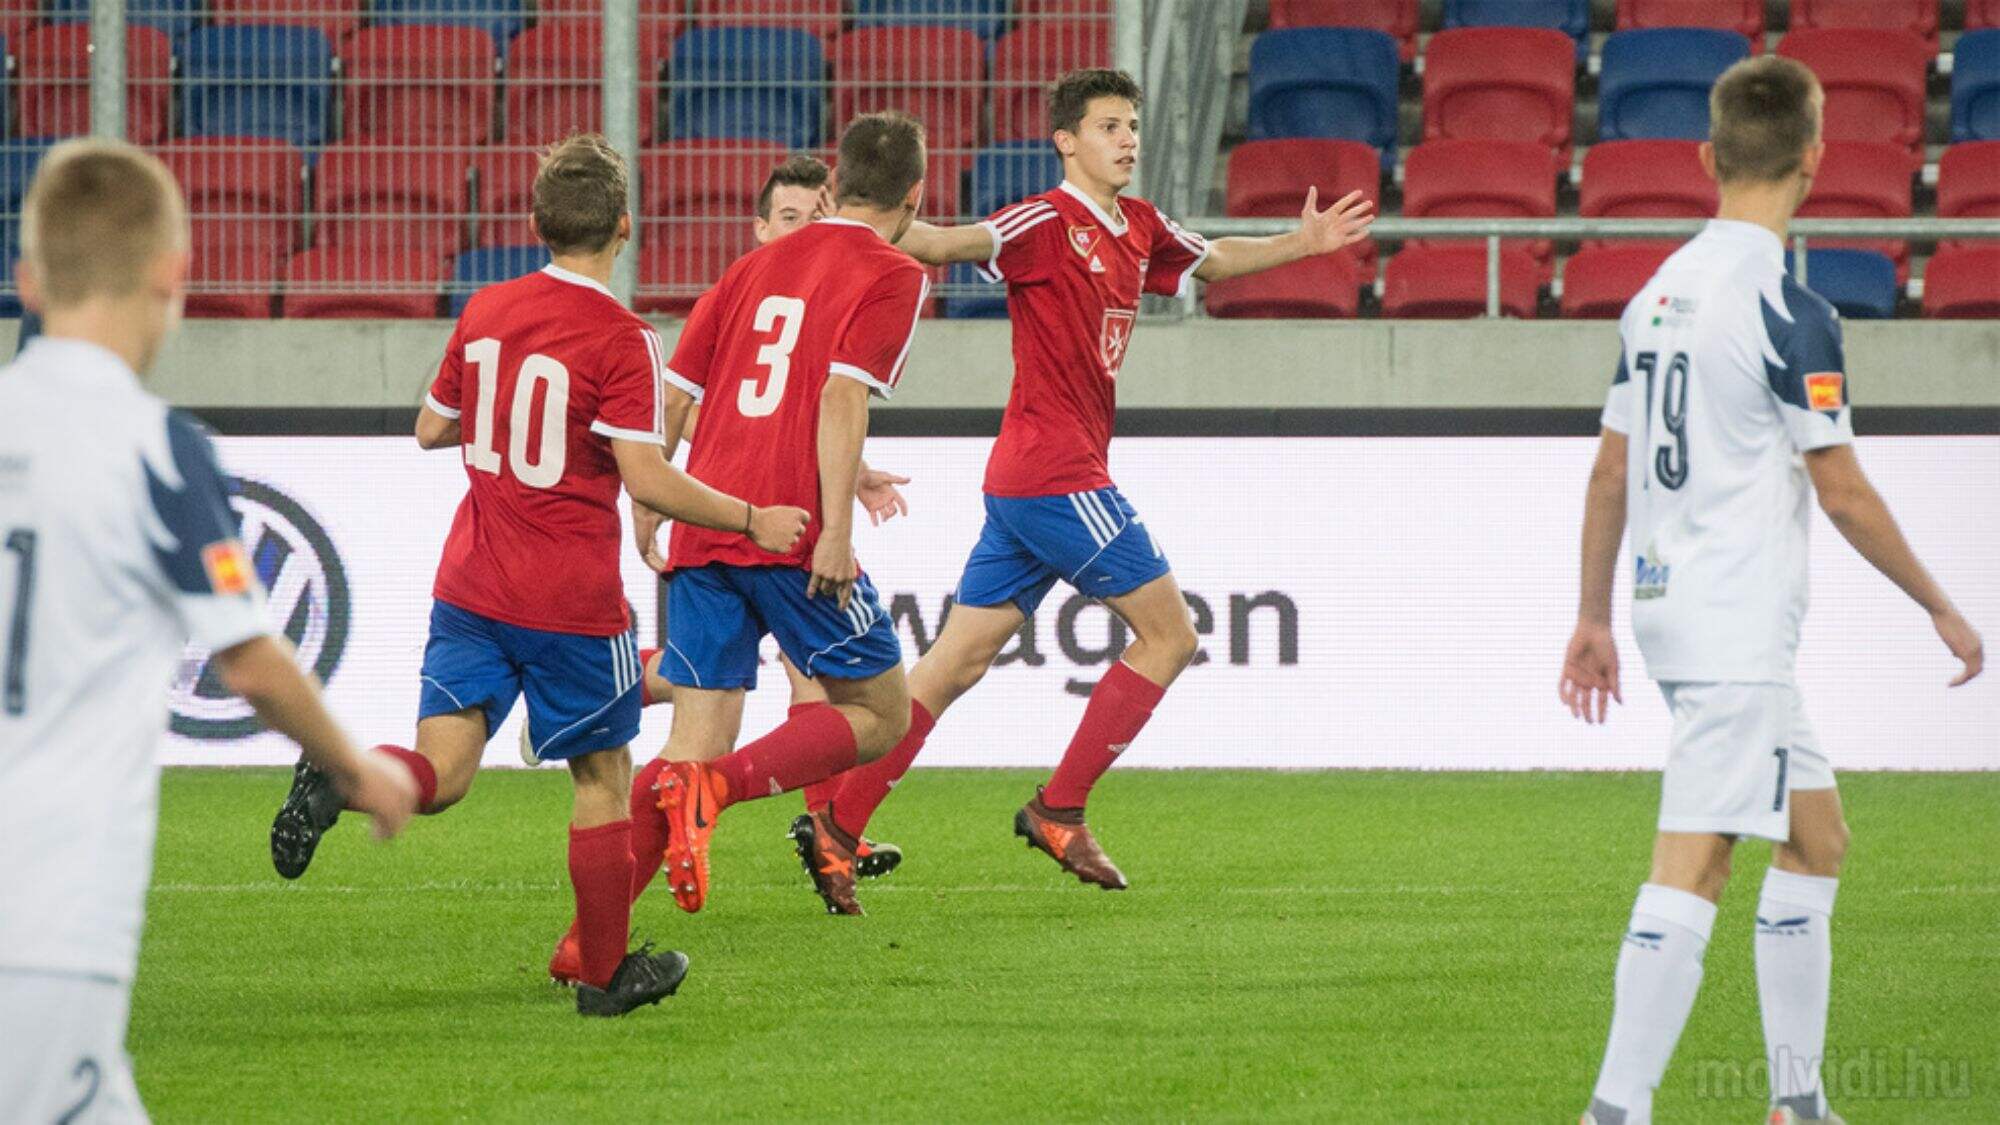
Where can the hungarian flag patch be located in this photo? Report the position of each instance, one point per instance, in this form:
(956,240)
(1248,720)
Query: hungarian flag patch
(228,568)
(1824,390)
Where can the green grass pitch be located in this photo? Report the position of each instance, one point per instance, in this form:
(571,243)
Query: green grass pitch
(1349,946)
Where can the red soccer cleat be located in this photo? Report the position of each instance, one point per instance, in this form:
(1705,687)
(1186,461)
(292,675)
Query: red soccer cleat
(688,797)
(1062,835)
(566,963)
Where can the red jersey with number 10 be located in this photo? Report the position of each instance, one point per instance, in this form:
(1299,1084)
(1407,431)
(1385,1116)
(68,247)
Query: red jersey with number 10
(541,373)
(830,300)
(1074,276)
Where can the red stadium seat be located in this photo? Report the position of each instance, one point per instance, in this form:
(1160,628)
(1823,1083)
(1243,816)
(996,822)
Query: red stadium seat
(1980,14)
(1874,82)
(503,194)
(1450,282)
(1268,179)
(255,175)
(1598,281)
(1860,180)
(555,80)
(1483,179)
(933,73)
(386,200)
(706,179)
(1027,59)
(1745,17)
(235,267)
(1918,17)
(54,68)
(1645,180)
(363,282)
(1325,285)
(17,17)
(1502,83)
(1963,281)
(678,262)
(1397,17)
(1968,185)
(419,85)
(821,17)
(335,19)
(244,197)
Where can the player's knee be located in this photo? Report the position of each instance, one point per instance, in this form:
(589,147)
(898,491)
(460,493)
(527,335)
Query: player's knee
(1179,644)
(1820,852)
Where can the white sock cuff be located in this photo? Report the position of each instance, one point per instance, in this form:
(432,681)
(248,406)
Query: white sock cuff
(1808,892)
(1683,908)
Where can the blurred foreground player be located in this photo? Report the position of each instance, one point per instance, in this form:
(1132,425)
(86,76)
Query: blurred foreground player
(784,355)
(1728,411)
(553,391)
(1076,261)
(120,548)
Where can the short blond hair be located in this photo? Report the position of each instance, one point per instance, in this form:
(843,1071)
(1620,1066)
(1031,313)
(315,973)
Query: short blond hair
(99,213)
(579,194)
(1763,114)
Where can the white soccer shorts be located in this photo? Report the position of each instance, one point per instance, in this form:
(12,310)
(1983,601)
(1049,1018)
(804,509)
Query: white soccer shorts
(1739,751)
(62,1050)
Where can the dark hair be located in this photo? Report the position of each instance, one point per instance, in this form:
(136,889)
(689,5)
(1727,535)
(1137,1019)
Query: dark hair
(1763,114)
(579,194)
(1071,94)
(881,157)
(796,171)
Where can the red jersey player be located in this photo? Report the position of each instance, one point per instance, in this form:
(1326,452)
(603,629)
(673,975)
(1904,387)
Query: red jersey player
(1075,261)
(783,355)
(555,392)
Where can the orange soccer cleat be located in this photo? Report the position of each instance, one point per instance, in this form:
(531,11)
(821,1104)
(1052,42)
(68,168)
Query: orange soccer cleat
(831,859)
(1062,835)
(689,797)
(566,963)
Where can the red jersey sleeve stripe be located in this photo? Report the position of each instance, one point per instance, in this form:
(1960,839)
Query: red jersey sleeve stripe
(437,407)
(990,269)
(1008,215)
(645,436)
(1010,224)
(916,314)
(681,382)
(657,350)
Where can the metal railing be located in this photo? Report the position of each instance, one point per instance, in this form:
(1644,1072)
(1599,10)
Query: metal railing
(1494,234)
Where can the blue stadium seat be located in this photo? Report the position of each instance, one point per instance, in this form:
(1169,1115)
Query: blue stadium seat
(256,81)
(1655,83)
(1010,172)
(476,269)
(501,19)
(175,17)
(988,303)
(1860,283)
(1333,82)
(10,299)
(1571,17)
(748,83)
(1975,87)
(986,18)
(18,160)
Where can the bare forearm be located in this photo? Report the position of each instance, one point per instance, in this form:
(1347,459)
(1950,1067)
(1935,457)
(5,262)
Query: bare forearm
(937,246)
(1865,521)
(843,428)
(1233,257)
(263,672)
(1603,527)
(657,484)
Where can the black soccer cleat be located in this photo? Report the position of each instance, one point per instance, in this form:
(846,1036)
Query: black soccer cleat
(872,861)
(643,977)
(309,810)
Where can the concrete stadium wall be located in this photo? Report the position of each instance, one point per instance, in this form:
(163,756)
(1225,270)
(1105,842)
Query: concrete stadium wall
(1189,363)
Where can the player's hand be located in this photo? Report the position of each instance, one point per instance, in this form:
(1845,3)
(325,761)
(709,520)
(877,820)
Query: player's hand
(777,529)
(646,524)
(382,788)
(1590,672)
(834,570)
(877,492)
(1343,224)
(1963,641)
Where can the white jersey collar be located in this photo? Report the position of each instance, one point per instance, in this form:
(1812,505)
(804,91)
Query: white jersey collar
(70,355)
(1116,225)
(1752,236)
(574,278)
(836,220)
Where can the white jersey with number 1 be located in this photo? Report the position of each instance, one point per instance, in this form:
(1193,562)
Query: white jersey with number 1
(1729,371)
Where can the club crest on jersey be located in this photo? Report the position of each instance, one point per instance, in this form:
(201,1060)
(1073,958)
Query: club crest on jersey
(1113,337)
(228,568)
(1649,578)
(1084,240)
(1825,390)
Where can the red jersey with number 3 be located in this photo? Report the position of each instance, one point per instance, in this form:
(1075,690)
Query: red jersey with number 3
(1074,277)
(541,374)
(832,300)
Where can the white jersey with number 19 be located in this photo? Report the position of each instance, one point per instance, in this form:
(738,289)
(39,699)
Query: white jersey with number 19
(1729,371)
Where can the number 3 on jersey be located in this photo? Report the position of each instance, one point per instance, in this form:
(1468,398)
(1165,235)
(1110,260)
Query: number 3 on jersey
(760,398)
(545,468)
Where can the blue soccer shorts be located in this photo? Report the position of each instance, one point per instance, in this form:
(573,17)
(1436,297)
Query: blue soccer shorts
(717,614)
(1092,540)
(583,692)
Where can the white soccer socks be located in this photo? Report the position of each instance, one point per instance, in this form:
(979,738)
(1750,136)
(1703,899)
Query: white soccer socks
(1659,972)
(1794,970)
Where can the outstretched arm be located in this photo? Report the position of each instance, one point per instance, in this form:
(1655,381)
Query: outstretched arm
(938,246)
(1319,232)
(1861,516)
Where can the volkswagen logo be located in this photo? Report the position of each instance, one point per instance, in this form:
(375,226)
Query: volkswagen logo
(306,587)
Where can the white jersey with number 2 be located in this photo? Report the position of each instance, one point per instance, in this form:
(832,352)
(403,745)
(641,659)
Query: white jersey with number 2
(1730,370)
